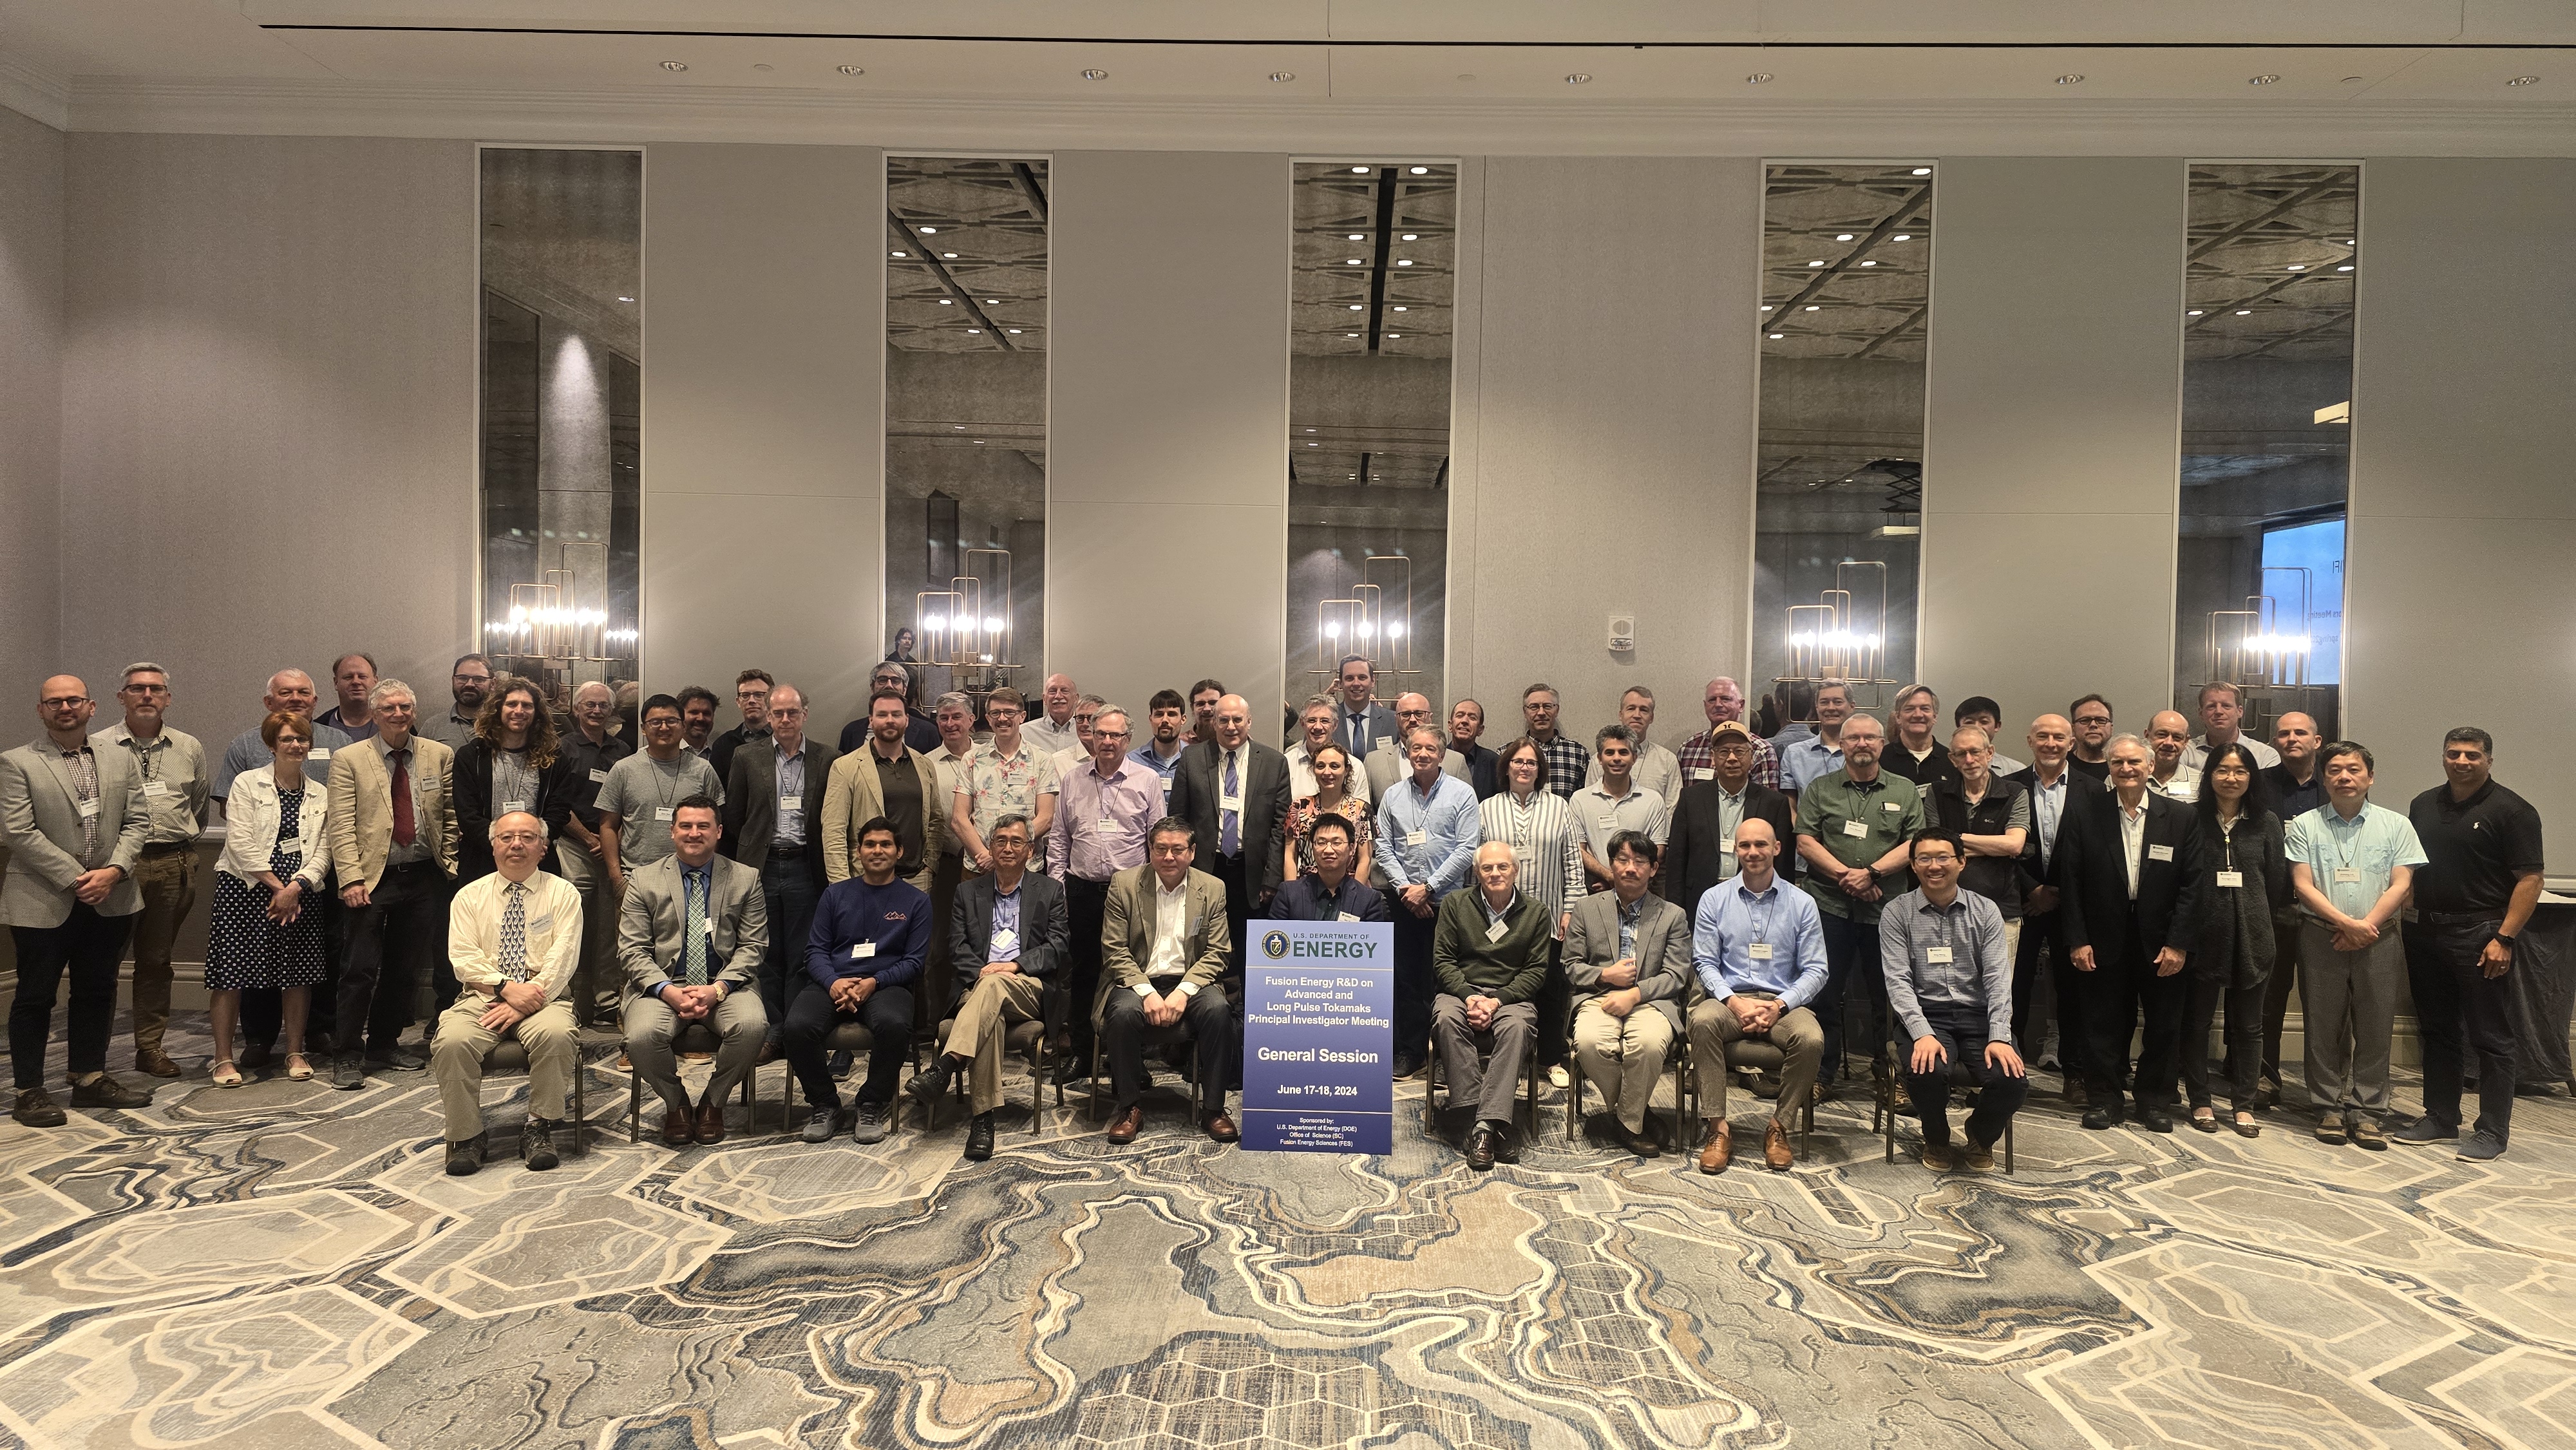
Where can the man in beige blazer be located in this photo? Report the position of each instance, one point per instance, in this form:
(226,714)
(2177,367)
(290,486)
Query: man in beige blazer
(856,796)
(395,857)
(1163,959)
(74,821)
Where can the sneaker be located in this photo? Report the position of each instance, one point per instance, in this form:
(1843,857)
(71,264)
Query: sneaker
(463,1158)
(1977,1157)
(1936,1156)
(401,1059)
(873,1123)
(819,1124)
(348,1071)
(103,1091)
(537,1145)
(37,1109)
(2481,1146)
(2425,1130)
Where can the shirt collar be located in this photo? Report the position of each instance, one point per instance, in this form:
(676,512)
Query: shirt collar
(705,872)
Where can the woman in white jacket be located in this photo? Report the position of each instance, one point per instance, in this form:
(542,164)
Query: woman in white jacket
(267,930)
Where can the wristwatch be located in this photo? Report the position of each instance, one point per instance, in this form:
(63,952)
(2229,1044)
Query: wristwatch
(2500,936)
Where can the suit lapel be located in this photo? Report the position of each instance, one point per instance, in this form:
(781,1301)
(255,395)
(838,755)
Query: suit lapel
(62,772)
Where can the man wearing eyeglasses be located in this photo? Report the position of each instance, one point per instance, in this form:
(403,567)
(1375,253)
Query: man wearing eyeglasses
(1010,775)
(2091,719)
(751,696)
(1104,811)
(920,730)
(173,766)
(469,681)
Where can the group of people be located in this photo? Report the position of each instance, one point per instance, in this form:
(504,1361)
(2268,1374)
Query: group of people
(1559,905)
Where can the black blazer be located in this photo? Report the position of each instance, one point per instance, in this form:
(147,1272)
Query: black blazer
(2093,886)
(1692,860)
(1043,933)
(1194,795)
(751,804)
(2082,792)
(558,785)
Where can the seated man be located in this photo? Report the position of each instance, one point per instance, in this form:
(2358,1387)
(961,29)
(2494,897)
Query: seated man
(1627,958)
(1758,944)
(1329,892)
(1949,985)
(1164,945)
(1009,924)
(871,935)
(513,938)
(1489,956)
(691,936)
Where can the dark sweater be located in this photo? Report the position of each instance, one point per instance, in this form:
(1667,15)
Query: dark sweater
(895,917)
(1510,969)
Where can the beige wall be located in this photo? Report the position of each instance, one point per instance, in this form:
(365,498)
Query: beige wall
(1167,425)
(31,405)
(1604,433)
(764,399)
(2052,446)
(2457,605)
(268,411)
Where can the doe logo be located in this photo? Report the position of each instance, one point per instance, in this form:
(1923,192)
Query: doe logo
(1275,945)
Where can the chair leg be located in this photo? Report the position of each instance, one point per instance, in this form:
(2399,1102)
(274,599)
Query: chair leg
(580,1106)
(2008,1148)
(1887,1115)
(634,1108)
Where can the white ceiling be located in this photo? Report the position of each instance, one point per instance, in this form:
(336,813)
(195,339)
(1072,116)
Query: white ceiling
(2174,76)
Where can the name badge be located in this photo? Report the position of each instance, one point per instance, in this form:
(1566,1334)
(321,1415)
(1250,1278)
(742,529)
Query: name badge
(1417,838)
(599,777)
(88,809)
(156,788)
(1004,939)
(1346,916)
(1704,773)
(1608,823)
(1855,828)
(1726,848)
(318,752)
(513,807)
(2160,853)
(541,923)
(1761,951)
(1495,932)
(662,813)
(1937,956)
(2347,875)
(2231,878)
(1107,824)
(1230,802)
(1923,791)
(863,951)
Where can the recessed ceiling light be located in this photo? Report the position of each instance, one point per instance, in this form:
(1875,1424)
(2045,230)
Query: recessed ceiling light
(1350,334)
(1923,171)
(625,299)
(1405,262)
(1310,430)
(1356,307)
(1758,78)
(2264,79)
(1869,264)
(979,440)
(992,301)
(974,332)
(1815,307)
(1842,236)
(1283,75)
(1766,306)
(1578,78)
(675,65)
(2071,78)
(945,302)
(1314,445)
(2298,266)
(948,254)
(1817,263)
(1401,309)
(900,254)
(1353,262)
(1422,171)
(1356,237)
(1359,171)
(2195,312)
(1095,75)
(853,70)
(2346,267)
(1902,237)
(1413,236)
(960,427)
(1778,335)
(1395,335)
(1015,332)
(2523,81)
(930,231)
(2244,311)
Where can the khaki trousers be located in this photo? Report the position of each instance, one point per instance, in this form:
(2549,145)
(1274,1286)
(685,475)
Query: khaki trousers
(456,1061)
(1798,1035)
(984,1020)
(1623,1056)
(739,1022)
(168,880)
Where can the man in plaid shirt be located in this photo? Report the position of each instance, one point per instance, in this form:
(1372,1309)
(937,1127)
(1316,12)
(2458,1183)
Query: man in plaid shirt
(1567,761)
(1724,701)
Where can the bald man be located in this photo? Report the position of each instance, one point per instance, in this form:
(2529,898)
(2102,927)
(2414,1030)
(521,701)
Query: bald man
(1234,791)
(2168,736)
(1489,954)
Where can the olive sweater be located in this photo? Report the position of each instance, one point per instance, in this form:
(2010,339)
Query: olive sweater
(1467,963)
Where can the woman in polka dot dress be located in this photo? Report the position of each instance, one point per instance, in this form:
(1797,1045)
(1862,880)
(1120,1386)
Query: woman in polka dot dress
(267,930)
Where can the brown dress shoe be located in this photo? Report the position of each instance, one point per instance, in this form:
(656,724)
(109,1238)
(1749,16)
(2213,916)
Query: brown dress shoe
(153,1062)
(1719,1150)
(1221,1128)
(1124,1127)
(1775,1148)
(711,1122)
(675,1127)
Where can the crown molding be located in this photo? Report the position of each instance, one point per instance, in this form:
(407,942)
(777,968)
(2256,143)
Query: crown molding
(34,93)
(1626,128)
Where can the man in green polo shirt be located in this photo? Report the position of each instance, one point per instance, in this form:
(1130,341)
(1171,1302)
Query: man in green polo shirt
(1853,828)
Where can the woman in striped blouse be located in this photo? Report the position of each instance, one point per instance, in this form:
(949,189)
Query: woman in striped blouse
(1539,827)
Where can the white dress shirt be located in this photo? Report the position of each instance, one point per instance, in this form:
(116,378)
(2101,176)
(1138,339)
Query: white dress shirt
(2133,838)
(553,913)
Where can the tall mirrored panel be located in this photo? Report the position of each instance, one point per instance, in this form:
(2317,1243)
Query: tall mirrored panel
(2267,332)
(562,349)
(1373,294)
(966,390)
(1846,297)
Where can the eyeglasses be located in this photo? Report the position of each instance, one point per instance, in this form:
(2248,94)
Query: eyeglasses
(149,689)
(63,702)
(2092,719)
(471,679)
(1733,751)
(751,694)
(1109,734)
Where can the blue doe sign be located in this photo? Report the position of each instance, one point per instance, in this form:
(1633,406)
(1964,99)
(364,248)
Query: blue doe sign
(1319,1037)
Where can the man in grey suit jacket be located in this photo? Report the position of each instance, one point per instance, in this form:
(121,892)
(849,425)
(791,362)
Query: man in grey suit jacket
(1627,956)
(1362,722)
(780,837)
(1008,928)
(74,821)
(691,936)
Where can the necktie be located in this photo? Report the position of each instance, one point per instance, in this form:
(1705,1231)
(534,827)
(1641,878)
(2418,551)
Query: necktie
(406,831)
(85,788)
(1359,734)
(694,928)
(1229,835)
(513,952)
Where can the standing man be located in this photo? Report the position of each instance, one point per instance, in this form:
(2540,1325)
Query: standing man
(1009,775)
(1086,708)
(1701,849)
(1982,712)
(1466,727)
(2222,707)
(1758,945)
(954,714)
(74,819)
(751,696)
(512,937)
(1427,830)
(172,766)
(1203,698)
(2298,788)
(469,682)
(920,729)
(1655,769)
(1916,753)
(1616,803)
(2167,734)
(1821,753)
(1722,701)
(1991,818)
(1568,763)
(598,984)
(2129,876)
(776,816)
(1363,722)
(692,933)
(642,794)
(1389,762)
(1164,958)
(870,939)
(2480,882)
(887,777)
(1011,923)
(2056,791)
(1855,828)
(2352,865)
(1489,954)
(1627,960)
(1104,813)
(352,675)
(392,828)
(1053,732)
(1315,730)
(697,719)
(1949,981)
(1234,792)
(2091,717)
(1162,753)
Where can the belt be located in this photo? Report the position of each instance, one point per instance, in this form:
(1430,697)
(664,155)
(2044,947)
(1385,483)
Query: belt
(165,848)
(2458,918)
(410,865)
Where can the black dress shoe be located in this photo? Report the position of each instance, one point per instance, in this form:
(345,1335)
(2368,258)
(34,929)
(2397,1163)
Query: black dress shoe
(1507,1146)
(1408,1064)
(979,1138)
(2099,1119)
(1483,1146)
(37,1109)
(931,1083)
(537,1145)
(255,1056)
(2156,1120)
(103,1091)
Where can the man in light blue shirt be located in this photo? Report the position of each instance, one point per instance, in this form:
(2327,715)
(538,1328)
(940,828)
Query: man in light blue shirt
(1820,754)
(1758,945)
(1427,833)
(2352,866)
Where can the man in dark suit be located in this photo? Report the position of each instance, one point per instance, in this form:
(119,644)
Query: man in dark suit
(1701,849)
(1008,927)
(1234,792)
(2057,793)
(2131,883)
(780,835)
(1329,892)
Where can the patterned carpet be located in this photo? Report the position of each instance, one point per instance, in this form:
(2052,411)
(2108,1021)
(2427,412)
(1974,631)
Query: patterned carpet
(284,1267)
